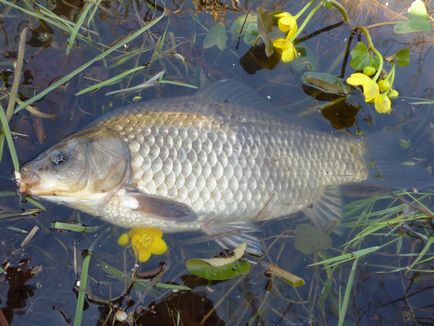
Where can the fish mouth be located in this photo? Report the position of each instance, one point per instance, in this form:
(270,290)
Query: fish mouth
(27,180)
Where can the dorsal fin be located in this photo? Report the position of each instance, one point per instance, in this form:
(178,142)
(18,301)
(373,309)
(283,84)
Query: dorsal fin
(234,92)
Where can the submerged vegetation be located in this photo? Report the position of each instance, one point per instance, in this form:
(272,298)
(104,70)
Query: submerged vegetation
(108,53)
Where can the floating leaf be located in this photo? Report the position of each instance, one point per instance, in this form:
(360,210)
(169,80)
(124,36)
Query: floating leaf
(402,57)
(293,280)
(309,239)
(256,59)
(360,56)
(325,83)
(247,26)
(216,37)
(340,114)
(418,20)
(199,267)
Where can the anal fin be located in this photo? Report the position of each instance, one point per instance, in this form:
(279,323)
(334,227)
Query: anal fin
(231,235)
(326,212)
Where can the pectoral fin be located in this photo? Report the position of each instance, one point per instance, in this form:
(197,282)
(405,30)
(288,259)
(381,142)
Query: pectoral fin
(326,212)
(160,207)
(231,235)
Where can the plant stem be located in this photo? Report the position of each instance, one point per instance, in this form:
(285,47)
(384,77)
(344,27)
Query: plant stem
(371,46)
(391,77)
(301,12)
(342,10)
(385,24)
(306,20)
(17,74)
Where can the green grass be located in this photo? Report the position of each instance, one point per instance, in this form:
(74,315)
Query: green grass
(379,219)
(10,142)
(82,289)
(83,67)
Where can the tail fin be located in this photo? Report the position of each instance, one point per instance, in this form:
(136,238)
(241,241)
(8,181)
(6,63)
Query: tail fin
(396,160)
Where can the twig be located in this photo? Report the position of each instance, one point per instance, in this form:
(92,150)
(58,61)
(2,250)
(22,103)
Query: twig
(29,236)
(17,74)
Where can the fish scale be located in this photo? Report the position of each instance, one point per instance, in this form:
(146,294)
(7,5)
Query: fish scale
(225,162)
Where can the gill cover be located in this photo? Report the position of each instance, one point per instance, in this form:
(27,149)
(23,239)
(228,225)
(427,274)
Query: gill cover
(93,161)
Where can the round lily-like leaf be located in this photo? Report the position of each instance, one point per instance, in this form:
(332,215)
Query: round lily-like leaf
(309,239)
(248,26)
(216,37)
(360,56)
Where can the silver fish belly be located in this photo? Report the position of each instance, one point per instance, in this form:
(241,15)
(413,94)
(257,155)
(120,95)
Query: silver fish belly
(226,162)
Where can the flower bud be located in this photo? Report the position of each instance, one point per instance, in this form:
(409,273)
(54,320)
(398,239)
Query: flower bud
(383,85)
(369,71)
(393,93)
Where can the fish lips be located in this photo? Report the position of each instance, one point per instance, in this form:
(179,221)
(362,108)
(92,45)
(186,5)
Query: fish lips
(26,180)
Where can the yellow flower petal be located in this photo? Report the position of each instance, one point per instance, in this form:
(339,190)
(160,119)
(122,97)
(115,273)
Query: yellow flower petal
(282,14)
(370,87)
(151,231)
(158,246)
(289,54)
(123,239)
(281,43)
(383,104)
(358,79)
(143,255)
(370,91)
(287,23)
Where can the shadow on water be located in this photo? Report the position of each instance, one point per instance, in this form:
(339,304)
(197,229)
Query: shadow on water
(383,292)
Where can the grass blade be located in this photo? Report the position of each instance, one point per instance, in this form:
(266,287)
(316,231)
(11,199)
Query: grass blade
(421,254)
(344,305)
(74,73)
(74,227)
(82,289)
(110,81)
(9,140)
(87,7)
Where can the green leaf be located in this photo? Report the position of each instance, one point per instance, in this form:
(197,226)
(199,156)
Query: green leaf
(216,37)
(309,239)
(360,56)
(201,268)
(265,26)
(247,26)
(418,20)
(402,57)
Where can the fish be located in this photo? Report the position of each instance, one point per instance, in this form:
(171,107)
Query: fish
(216,161)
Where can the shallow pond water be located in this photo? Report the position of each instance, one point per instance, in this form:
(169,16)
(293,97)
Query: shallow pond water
(38,278)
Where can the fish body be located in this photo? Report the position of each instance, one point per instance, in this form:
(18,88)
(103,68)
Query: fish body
(225,162)
(183,163)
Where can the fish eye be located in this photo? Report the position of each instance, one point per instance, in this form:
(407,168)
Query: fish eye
(58,157)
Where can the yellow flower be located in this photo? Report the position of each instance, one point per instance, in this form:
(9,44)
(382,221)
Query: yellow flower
(371,91)
(145,242)
(370,87)
(287,23)
(383,104)
(289,53)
